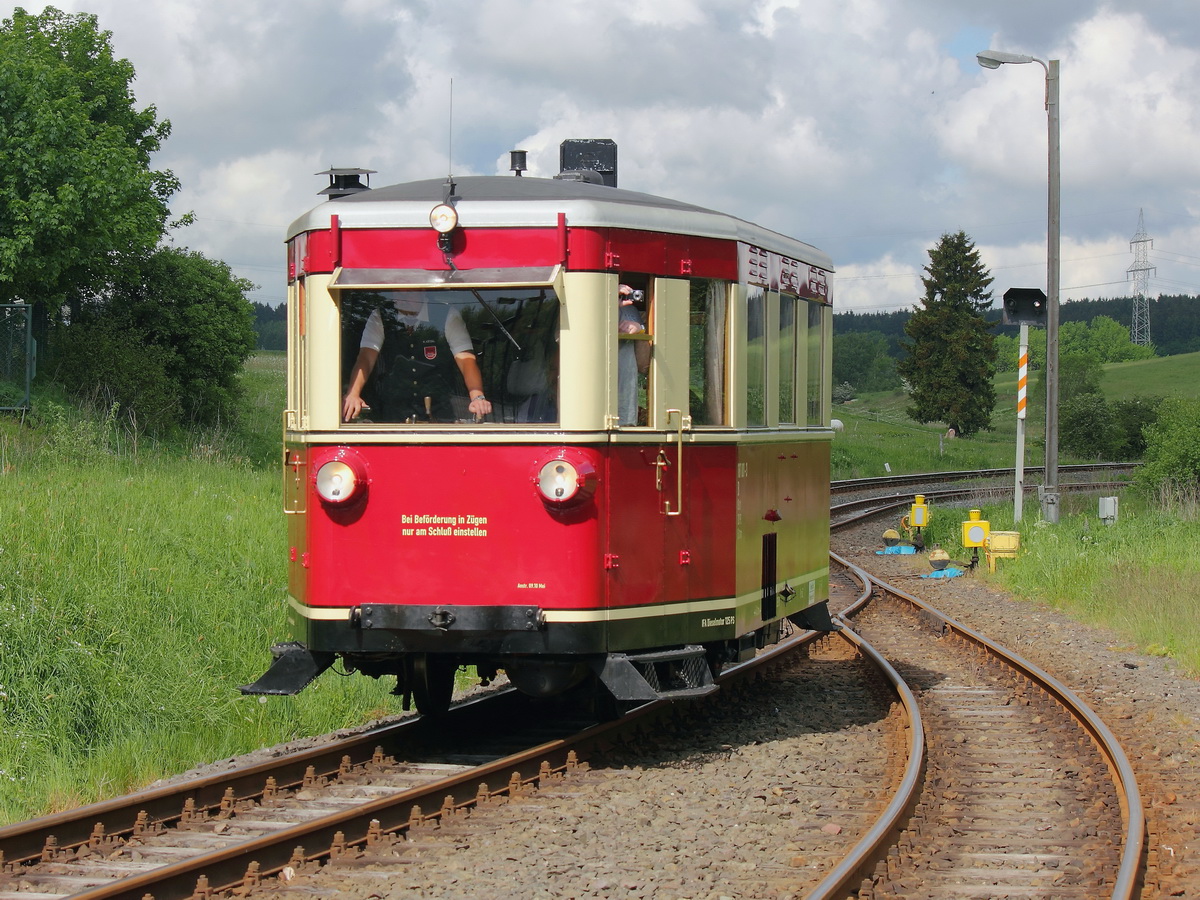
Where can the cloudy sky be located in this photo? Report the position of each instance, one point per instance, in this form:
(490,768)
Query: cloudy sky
(865,127)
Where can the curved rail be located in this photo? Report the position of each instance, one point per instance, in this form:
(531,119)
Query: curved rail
(1126,881)
(1114,756)
(874,844)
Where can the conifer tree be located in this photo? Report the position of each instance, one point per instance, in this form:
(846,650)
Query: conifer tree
(951,358)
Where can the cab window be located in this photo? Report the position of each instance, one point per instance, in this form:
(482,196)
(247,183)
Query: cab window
(416,356)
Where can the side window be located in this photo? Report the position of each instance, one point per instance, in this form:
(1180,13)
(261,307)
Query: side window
(816,364)
(756,356)
(707,351)
(635,347)
(787,359)
(298,352)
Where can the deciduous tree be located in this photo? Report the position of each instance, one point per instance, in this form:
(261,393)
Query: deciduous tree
(77,192)
(161,331)
(862,360)
(1172,461)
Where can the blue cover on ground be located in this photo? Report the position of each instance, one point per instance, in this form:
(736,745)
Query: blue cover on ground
(898,550)
(948,572)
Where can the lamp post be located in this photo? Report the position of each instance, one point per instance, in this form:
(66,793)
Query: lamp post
(993,59)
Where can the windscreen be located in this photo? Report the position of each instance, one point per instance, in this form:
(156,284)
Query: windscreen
(429,356)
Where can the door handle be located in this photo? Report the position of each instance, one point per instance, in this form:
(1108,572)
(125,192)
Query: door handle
(684,421)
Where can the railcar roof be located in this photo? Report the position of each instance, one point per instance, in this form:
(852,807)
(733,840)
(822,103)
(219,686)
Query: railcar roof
(507,201)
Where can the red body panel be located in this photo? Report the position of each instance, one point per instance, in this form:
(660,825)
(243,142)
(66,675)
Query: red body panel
(588,249)
(455,524)
(660,558)
(464,524)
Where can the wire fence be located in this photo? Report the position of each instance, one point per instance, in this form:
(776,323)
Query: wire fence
(17,361)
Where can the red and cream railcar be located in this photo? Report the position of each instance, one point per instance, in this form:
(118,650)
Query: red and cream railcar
(624,476)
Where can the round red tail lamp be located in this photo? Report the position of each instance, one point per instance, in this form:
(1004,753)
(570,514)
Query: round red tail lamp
(566,480)
(342,478)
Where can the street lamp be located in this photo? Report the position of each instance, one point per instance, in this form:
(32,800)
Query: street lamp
(993,59)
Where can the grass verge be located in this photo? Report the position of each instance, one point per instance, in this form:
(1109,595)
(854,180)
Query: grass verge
(139,585)
(1135,577)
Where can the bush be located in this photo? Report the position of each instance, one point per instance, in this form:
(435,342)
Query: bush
(1079,375)
(1133,417)
(1095,428)
(101,364)
(166,341)
(1088,428)
(844,392)
(1172,459)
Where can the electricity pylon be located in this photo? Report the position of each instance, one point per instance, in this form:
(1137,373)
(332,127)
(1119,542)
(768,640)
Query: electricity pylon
(1139,273)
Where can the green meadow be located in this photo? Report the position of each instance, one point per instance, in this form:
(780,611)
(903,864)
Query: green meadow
(141,582)
(878,434)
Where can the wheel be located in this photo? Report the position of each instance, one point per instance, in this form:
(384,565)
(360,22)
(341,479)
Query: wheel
(716,655)
(432,683)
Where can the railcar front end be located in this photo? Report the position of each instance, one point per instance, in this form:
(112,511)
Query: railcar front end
(590,439)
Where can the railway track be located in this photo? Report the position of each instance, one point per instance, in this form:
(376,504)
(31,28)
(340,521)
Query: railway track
(229,831)
(679,810)
(346,803)
(982,776)
(1025,791)
(878,495)
(997,478)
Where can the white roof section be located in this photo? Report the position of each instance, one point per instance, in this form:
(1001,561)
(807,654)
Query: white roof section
(496,201)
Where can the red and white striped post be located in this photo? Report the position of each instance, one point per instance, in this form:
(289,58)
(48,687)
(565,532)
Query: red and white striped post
(1022,383)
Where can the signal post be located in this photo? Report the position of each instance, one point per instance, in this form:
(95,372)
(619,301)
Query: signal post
(1023,306)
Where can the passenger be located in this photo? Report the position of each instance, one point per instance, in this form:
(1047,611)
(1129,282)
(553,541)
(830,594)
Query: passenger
(415,381)
(629,321)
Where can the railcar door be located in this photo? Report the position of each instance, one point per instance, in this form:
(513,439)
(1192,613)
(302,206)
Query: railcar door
(650,544)
(669,414)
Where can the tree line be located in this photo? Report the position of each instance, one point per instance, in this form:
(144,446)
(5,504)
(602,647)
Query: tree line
(270,326)
(863,340)
(949,351)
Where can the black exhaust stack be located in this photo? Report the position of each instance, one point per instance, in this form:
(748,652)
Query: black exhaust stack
(593,160)
(343,182)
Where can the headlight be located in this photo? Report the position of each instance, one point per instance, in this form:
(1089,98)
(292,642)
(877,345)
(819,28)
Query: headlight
(558,481)
(443,218)
(567,480)
(341,479)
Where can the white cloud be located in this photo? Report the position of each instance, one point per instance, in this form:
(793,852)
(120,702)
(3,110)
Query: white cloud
(880,286)
(862,126)
(1129,102)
